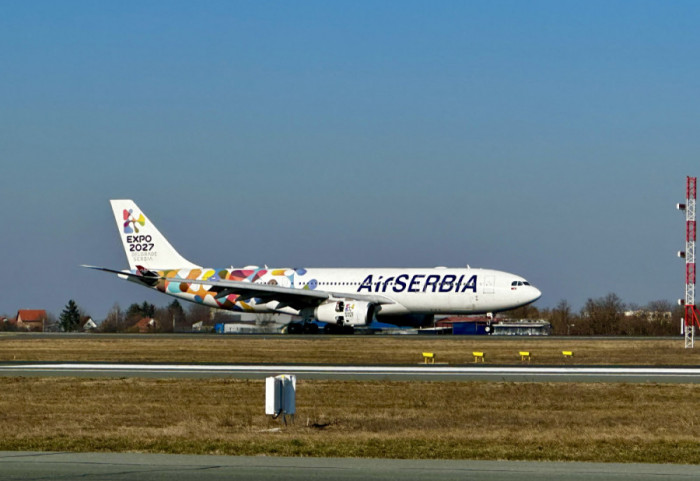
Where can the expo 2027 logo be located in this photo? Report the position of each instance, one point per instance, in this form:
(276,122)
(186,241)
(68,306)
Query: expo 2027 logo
(131,223)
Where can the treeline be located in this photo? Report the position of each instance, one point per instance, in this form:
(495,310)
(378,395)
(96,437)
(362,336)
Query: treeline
(171,318)
(604,316)
(607,316)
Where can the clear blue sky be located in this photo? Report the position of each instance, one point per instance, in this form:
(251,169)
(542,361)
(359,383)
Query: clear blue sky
(550,139)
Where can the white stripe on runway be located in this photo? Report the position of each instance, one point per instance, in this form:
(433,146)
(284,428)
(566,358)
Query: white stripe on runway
(408,370)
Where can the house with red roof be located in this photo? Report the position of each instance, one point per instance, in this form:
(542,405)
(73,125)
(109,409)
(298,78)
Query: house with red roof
(145,325)
(31,319)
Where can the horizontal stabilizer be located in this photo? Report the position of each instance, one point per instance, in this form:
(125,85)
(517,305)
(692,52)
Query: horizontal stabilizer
(147,278)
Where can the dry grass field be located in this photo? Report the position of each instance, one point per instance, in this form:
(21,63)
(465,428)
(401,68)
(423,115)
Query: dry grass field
(477,420)
(342,350)
(573,422)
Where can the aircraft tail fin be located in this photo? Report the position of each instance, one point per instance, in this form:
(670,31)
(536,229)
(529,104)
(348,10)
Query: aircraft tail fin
(143,243)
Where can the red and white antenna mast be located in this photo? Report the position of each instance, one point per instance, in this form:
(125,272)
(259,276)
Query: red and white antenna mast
(690,319)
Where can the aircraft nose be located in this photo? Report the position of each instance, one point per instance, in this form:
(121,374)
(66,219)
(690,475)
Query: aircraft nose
(536,294)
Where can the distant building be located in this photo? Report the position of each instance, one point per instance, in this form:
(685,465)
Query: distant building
(523,327)
(236,328)
(650,315)
(146,325)
(245,328)
(31,319)
(466,325)
(88,324)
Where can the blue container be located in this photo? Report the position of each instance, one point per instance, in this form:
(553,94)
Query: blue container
(469,328)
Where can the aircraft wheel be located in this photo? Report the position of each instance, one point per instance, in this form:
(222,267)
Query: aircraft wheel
(295,328)
(310,328)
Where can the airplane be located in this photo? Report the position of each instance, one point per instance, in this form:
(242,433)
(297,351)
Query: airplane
(342,298)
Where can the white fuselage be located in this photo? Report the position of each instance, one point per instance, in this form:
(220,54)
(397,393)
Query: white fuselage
(429,291)
(412,290)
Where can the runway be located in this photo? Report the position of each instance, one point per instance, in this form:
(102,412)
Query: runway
(633,374)
(118,466)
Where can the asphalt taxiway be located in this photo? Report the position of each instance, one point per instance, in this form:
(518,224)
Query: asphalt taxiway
(120,466)
(629,374)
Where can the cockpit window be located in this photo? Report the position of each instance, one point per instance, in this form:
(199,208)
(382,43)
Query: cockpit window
(514,283)
(525,283)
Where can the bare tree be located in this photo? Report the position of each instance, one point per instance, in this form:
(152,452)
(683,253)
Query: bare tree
(199,313)
(114,322)
(603,315)
(524,312)
(164,320)
(178,316)
(562,319)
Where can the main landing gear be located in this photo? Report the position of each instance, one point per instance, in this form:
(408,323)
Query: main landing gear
(312,328)
(302,328)
(338,329)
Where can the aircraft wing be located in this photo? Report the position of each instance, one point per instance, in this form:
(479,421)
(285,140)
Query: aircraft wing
(289,296)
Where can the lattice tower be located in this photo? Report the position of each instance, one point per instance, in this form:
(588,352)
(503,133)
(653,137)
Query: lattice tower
(691,314)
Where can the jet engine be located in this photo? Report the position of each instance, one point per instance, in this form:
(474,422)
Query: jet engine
(348,312)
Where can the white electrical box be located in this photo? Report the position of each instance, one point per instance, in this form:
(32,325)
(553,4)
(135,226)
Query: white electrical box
(273,397)
(280,395)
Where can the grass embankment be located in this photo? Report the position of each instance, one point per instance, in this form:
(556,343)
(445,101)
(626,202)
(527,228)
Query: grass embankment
(448,420)
(342,350)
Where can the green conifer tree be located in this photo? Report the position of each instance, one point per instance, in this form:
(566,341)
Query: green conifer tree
(70,317)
